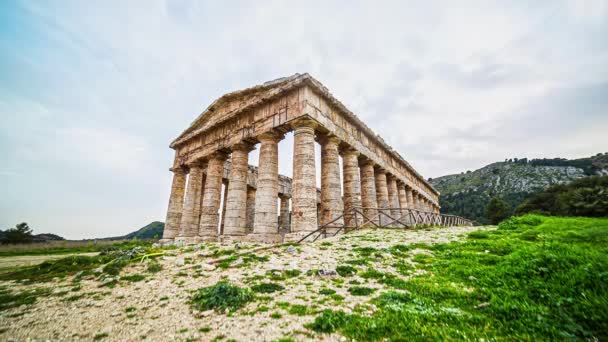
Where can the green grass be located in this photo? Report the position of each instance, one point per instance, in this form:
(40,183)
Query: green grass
(267,288)
(220,297)
(535,278)
(133,277)
(346,271)
(360,291)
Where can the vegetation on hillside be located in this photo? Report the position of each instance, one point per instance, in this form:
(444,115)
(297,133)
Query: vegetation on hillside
(513,180)
(535,278)
(582,197)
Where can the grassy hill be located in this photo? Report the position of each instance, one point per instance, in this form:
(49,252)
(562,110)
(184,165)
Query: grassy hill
(467,193)
(150,231)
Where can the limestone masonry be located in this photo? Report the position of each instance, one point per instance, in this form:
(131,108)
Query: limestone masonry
(212,157)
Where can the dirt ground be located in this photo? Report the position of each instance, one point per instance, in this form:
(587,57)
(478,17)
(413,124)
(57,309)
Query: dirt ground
(157,308)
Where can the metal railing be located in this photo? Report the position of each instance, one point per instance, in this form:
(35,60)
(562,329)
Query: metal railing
(360,217)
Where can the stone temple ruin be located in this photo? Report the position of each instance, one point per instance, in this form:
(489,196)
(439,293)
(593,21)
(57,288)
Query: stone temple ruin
(212,153)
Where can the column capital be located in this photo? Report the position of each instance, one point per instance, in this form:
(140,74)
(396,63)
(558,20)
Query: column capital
(349,151)
(197,164)
(365,161)
(180,169)
(243,146)
(329,139)
(304,123)
(270,136)
(218,155)
(380,170)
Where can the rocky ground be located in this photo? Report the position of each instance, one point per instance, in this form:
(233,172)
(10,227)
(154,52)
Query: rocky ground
(155,306)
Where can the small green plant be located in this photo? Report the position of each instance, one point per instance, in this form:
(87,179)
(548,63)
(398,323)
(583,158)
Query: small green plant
(100,336)
(299,310)
(346,271)
(326,291)
(328,321)
(130,309)
(204,329)
(220,297)
(133,277)
(154,267)
(267,288)
(360,291)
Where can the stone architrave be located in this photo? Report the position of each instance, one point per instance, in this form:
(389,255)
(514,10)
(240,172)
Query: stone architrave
(235,217)
(352,187)
(191,211)
(208,228)
(304,189)
(176,204)
(331,189)
(265,225)
(369,199)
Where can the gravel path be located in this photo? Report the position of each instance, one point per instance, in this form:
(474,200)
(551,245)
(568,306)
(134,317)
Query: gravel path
(157,308)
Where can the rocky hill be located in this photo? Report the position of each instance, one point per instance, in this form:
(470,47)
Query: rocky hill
(150,231)
(513,180)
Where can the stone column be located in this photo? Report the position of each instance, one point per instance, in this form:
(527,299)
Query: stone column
(235,217)
(304,189)
(211,197)
(382,195)
(368,191)
(223,216)
(191,213)
(265,225)
(176,205)
(352,187)
(393,195)
(250,209)
(331,189)
(414,199)
(410,197)
(284,213)
(402,203)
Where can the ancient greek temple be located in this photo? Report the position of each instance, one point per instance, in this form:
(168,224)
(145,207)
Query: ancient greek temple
(211,170)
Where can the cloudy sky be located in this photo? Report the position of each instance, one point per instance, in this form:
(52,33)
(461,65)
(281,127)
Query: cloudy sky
(92,92)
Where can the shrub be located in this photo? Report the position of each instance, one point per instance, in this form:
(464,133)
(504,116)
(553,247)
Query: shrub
(346,271)
(497,210)
(361,291)
(479,234)
(221,296)
(267,288)
(328,321)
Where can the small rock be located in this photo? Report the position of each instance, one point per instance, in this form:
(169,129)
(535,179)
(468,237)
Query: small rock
(115,313)
(205,254)
(327,272)
(207,267)
(292,250)
(472,278)
(107,281)
(482,305)
(197,247)
(98,269)
(238,246)
(179,243)
(156,245)
(179,262)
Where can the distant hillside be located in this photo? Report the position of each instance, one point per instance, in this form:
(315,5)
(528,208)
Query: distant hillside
(150,231)
(513,180)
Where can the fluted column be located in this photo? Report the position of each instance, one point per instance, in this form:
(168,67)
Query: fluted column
(368,191)
(331,189)
(265,225)
(304,190)
(410,197)
(352,187)
(235,217)
(382,195)
(415,199)
(402,202)
(211,197)
(393,195)
(284,213)
(224,199)
(192,205)
(176,204)
(250,209)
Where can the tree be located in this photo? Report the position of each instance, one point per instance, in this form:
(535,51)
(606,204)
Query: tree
(22,233)
(497,210)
